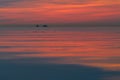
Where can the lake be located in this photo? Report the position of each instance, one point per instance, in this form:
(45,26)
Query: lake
(60,53)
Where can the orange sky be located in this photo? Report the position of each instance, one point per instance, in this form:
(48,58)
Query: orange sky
(60,12)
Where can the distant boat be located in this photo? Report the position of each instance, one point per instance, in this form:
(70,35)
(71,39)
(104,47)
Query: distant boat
(37,25)
(45,25)
(42,25)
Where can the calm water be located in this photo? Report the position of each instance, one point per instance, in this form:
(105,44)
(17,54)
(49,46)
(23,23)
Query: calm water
(60,53)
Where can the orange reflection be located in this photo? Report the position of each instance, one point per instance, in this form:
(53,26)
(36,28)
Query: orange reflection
(87,48)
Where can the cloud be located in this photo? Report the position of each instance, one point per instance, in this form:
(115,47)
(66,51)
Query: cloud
(8,3)
(26,3)
(55,11)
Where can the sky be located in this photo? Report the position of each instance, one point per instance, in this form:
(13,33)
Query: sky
(80,12)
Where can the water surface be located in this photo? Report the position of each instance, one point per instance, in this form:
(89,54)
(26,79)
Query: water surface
(93,50)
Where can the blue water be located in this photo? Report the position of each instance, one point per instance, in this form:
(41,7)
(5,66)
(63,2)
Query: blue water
(59,53)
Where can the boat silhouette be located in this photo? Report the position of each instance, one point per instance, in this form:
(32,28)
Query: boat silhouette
(45,25)
(37,25)
(42,25)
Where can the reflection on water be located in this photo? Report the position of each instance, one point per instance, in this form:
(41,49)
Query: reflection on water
(92,47)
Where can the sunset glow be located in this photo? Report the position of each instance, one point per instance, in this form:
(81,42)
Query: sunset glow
(60,12)
(59,39)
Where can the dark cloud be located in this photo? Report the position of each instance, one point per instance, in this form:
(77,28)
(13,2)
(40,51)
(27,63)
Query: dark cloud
(4,20)
(13,3)
(7,3)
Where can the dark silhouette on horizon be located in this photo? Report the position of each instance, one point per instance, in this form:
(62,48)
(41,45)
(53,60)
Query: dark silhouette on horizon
(37,25)
(45,25)
(42,25)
